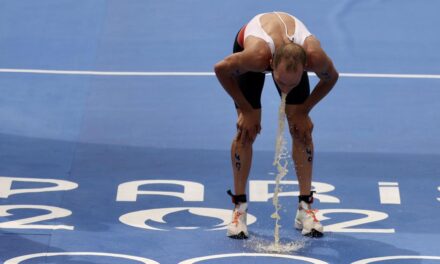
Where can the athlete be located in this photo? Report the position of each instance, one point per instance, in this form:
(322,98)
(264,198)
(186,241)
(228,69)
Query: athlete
(280,43)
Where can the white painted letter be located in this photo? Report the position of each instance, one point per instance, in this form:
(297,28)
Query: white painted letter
(389,193)
(6,184)
(27,223)
(129,191)
(259,191)
(347,226)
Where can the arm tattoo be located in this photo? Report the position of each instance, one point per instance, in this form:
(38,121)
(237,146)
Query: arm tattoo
(325,76)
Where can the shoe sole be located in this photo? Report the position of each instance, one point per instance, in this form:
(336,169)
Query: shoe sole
(314,233)
(241,235)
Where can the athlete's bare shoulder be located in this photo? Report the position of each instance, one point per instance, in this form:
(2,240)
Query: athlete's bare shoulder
(315,54)
(256,54)
(318,61)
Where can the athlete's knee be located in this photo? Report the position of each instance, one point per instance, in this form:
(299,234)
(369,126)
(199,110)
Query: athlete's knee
(301,133)
(244,140)
(293,130)
(301,137)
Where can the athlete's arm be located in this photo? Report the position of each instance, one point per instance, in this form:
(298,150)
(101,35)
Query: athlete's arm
(236,64)
(322,65)
(227,70)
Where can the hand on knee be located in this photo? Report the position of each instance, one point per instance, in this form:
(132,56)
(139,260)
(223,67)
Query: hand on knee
(248,126)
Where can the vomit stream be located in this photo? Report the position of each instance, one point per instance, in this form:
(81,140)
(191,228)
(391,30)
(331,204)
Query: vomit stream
(281,162)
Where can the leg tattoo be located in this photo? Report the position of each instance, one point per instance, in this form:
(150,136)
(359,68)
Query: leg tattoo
(237,161)
(309,154)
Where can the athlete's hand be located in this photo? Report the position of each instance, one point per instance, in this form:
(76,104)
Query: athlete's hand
(301,127)
(248,126)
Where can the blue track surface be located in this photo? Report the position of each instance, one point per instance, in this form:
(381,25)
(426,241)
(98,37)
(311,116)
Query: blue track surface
(88,137)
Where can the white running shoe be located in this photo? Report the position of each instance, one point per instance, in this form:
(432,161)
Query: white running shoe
(237,229)
(306,221)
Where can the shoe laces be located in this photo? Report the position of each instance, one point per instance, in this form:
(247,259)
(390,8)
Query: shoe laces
(312,213)
(237,215)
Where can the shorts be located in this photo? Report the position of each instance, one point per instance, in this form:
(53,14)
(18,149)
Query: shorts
(251,85)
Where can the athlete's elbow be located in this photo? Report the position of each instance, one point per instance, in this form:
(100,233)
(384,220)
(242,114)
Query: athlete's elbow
(220,68)
(333,75)
(336,77)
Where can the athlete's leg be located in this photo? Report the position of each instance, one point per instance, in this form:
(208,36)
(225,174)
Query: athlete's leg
(241,159)
(302,150)
(251,85)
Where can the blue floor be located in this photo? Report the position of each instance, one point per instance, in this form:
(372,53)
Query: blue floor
(134,169)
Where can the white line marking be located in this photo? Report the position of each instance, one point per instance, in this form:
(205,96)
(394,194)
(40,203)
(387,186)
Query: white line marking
(385,75)
(105,73)
(127,73)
